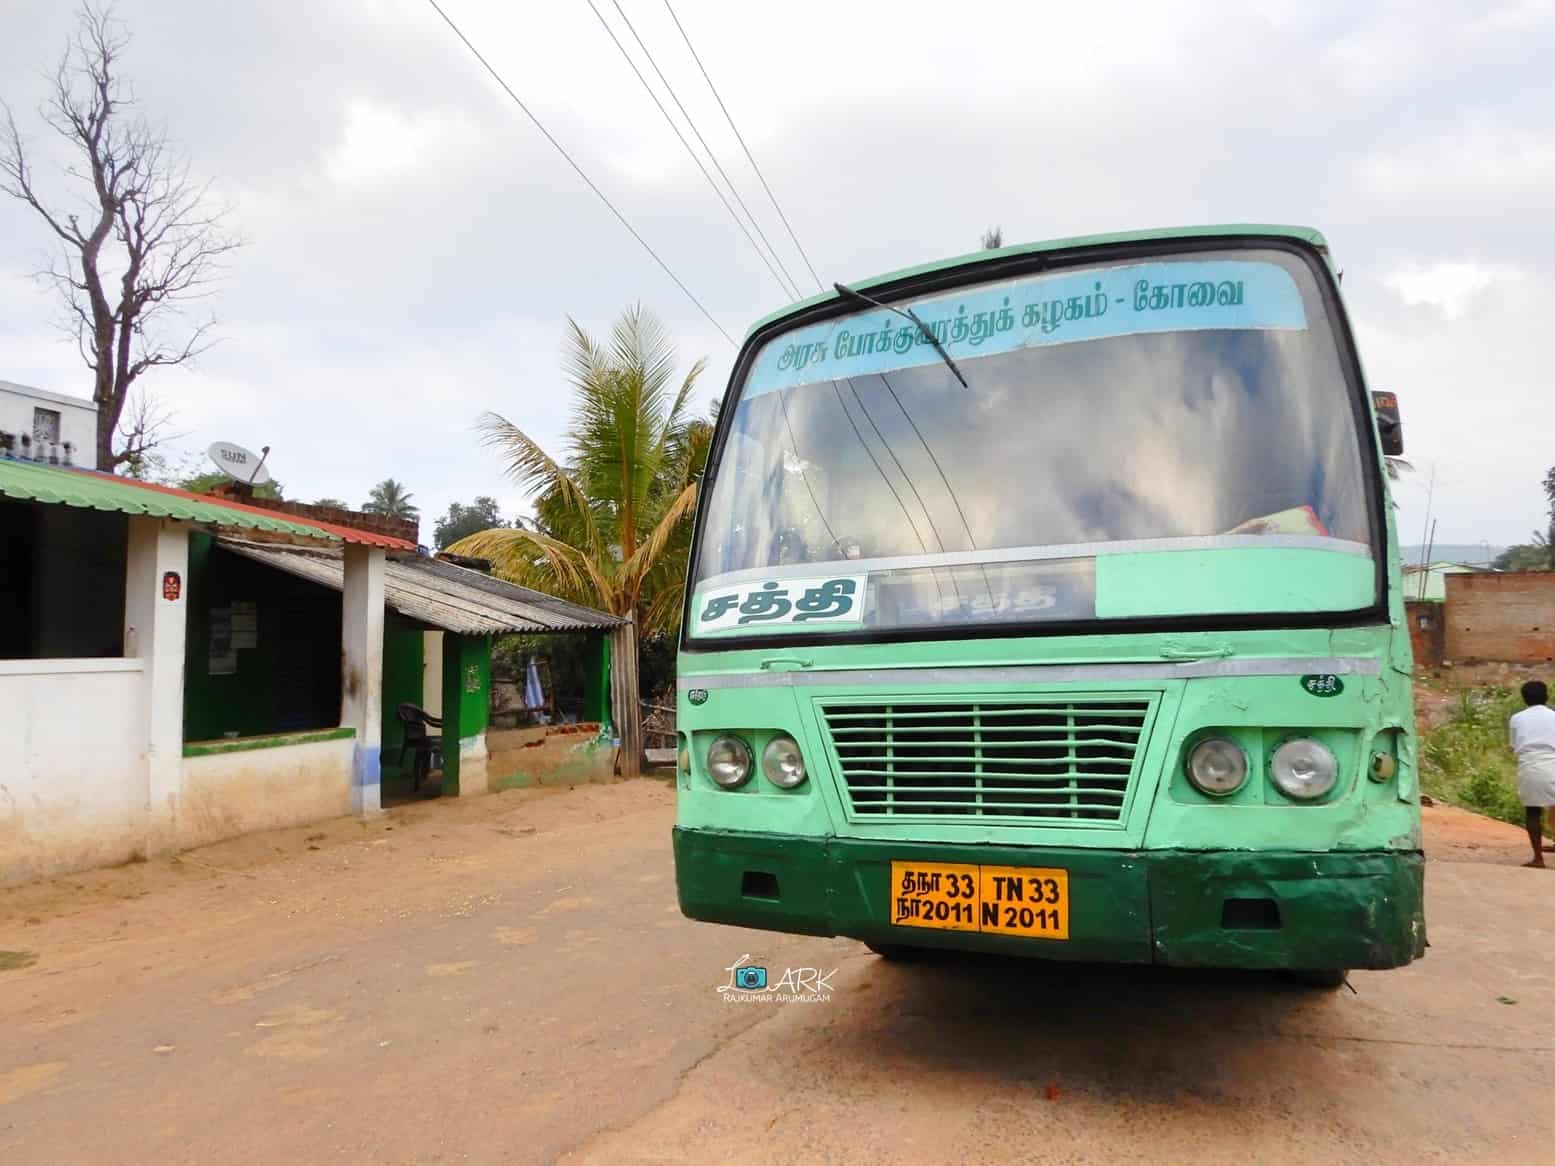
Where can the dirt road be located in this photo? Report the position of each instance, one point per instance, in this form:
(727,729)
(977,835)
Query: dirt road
(508,980)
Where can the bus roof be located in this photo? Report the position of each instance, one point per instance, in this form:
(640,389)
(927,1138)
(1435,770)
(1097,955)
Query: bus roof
(1305,234)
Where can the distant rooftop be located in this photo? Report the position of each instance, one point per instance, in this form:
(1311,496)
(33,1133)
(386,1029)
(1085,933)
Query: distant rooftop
(1470,554)
(47,395)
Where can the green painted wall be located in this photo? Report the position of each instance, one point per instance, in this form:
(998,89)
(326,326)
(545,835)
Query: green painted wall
(596,683)
(289,680)
(276,741)
(466,697)
(404,659)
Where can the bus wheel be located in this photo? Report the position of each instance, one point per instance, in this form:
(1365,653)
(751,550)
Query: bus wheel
(1319,977)
(897,953)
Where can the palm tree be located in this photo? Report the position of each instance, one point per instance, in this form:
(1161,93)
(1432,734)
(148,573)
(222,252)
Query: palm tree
(610,526)
(392,500)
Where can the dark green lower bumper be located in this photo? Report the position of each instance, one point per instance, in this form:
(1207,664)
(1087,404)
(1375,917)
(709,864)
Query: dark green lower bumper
(1227,909)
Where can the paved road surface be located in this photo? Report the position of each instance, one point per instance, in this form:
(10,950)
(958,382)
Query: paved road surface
(507,980)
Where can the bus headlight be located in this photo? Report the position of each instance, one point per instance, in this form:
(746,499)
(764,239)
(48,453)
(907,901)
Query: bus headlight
(729,762)
(782,762)
(1217,767)
(1304,769)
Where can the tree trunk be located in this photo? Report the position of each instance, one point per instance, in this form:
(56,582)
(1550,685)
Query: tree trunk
(105,428)
(626,707)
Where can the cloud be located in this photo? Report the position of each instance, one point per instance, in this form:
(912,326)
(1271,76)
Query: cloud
(1446,285)
(415,246)
(378,144)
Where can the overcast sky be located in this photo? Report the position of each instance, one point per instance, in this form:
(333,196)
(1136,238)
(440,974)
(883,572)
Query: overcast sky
(414,244)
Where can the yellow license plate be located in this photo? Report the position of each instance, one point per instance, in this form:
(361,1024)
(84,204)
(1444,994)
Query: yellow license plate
(998,900)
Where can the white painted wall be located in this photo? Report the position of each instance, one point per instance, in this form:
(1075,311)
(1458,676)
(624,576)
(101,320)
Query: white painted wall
(92,770)
(73,775)
(77,418)
(361,695)
(474,779)
(432,673)
(154,630)
(226,794)
(72,765)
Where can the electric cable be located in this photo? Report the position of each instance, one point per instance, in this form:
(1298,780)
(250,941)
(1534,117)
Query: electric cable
(787,289)
(749,156)
(589,182)
(690,121)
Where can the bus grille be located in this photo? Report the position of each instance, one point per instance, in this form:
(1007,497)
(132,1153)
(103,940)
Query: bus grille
(1049,762)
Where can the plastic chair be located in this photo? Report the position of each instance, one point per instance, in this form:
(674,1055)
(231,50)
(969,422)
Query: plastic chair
(415,721)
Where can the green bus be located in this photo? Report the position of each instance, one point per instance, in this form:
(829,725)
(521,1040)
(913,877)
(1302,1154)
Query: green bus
(1047,601)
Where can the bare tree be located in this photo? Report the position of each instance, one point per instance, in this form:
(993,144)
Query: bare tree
(993,238)
(144,425)
(143,243)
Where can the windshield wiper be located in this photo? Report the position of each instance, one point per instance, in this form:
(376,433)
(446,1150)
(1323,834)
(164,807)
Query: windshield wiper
(928,334)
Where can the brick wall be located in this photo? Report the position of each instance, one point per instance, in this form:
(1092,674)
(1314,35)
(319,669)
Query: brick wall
(1427,631)
(1507,616)
(405,528)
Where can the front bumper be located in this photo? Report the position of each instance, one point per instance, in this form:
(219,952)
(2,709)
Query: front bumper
(1331,910)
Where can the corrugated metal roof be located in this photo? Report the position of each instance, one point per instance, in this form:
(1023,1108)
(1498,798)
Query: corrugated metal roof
(90,490)
(455,599)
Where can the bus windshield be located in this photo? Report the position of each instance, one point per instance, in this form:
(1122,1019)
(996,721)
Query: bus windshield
(1137,439)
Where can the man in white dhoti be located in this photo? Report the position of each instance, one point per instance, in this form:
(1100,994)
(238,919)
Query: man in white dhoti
(1533,741)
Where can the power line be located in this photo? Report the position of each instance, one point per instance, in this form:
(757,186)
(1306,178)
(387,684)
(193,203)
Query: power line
(497,77)
(690,121)
(787,289)
(749,156)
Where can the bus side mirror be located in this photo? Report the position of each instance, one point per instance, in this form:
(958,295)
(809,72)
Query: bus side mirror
(1389,427)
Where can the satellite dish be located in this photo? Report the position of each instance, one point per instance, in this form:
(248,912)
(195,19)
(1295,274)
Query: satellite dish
(240,464)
